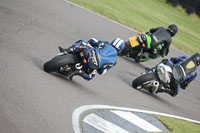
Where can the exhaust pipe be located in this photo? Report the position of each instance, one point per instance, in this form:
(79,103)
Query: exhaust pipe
(155,86)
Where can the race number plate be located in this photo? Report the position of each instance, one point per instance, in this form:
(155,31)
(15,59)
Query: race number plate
(133,41)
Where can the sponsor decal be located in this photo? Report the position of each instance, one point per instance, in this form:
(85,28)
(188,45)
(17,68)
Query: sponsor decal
(190,65)
(94,59)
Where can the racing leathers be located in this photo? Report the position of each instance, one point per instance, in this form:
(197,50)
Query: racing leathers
(160,40)
(184,70)
(104,57)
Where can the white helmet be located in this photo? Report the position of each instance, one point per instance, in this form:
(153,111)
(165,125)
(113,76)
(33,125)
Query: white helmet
(118,43)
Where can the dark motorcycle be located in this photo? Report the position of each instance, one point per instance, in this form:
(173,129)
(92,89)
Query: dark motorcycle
(135,48)
(69,62)
(155,80)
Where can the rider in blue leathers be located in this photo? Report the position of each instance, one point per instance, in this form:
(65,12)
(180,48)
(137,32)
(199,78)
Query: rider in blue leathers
(105,56)
(185,70)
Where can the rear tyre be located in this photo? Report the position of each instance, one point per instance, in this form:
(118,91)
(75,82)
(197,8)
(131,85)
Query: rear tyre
(144,78)
(58,62)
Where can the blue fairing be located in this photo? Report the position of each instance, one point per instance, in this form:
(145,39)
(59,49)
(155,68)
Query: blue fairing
(191,78)
(178,59)
(107,55)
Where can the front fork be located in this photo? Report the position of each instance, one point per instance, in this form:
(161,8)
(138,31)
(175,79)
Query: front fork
(67,70)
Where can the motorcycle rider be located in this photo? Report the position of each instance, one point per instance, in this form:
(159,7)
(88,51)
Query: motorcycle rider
(160,40)
(105,56)
(185,70)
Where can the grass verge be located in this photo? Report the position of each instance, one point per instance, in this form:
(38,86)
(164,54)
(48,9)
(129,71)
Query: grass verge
(179,126)
(145,14)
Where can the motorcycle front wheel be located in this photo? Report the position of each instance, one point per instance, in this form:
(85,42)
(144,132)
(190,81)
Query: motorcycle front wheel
(58,62)
(143,79)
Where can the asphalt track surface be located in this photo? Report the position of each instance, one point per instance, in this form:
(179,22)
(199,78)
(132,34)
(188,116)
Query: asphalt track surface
(34,101)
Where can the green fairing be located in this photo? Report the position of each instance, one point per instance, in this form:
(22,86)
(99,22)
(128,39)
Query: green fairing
(159,47)
(148,58)
(145,59)
(148,41)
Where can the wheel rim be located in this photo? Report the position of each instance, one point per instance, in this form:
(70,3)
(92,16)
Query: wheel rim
(149,83)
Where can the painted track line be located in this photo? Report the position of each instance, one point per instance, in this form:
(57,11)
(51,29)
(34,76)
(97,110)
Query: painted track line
(137,121)
(76,114)
(103,125)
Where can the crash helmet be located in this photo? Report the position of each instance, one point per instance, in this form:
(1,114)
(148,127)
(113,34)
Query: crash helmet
(173,29)
(196,57)
(118,43)
(93,41)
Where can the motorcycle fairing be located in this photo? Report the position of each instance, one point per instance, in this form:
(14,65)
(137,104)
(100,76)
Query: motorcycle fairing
(164,72)
(92,61)
(148,58)
(178,72)
(107,55)
(148,41)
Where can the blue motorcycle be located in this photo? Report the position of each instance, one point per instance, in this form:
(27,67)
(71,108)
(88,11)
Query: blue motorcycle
(69,61)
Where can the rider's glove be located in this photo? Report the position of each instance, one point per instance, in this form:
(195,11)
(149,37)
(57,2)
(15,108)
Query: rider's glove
(147,33)
(164,61)
(173,60)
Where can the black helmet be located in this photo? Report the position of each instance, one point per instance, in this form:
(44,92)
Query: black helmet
(196,57)
(173,29)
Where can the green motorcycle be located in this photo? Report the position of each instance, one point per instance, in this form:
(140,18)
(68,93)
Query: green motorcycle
(135,48)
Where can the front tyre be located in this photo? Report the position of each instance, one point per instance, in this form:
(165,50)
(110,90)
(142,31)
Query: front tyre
(144,78)
(58,62)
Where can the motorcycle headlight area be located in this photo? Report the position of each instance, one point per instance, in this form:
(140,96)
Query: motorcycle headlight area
(162,71)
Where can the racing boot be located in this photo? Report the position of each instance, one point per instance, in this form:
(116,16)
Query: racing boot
(170,92)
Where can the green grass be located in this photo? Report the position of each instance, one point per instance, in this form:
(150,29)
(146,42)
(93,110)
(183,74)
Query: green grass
(179,126)
(145,14)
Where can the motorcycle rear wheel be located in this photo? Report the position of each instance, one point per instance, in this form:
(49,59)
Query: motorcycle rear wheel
(58,62)
(144,78)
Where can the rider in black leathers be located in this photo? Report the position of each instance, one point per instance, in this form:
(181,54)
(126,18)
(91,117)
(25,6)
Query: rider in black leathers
(160,36)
